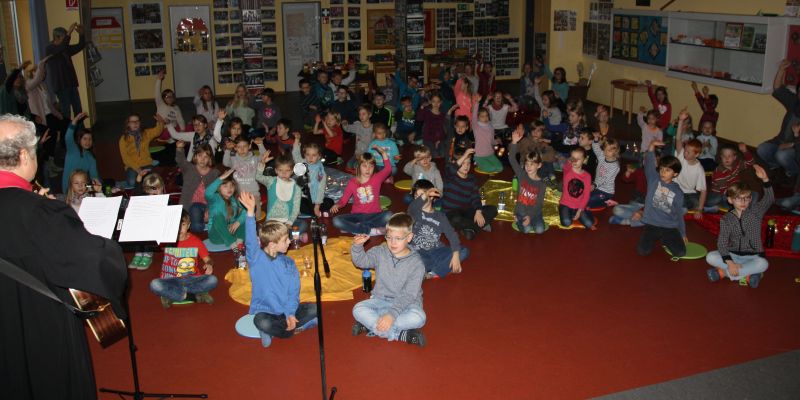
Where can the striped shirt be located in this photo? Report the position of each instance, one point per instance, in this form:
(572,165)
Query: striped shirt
(723,178)
(459,193)
(606,171)
(742,235)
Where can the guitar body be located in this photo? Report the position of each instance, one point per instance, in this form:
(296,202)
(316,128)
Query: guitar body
(106,327)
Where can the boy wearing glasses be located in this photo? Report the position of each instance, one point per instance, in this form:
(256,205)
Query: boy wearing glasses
(740,254)
(394,311)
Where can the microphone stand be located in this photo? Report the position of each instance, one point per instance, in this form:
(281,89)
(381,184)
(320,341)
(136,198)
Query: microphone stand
(320,248)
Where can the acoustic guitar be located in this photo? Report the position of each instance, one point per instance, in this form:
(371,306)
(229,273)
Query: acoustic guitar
(106,327)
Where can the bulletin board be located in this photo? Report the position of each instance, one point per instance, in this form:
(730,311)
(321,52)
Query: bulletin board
(639,38)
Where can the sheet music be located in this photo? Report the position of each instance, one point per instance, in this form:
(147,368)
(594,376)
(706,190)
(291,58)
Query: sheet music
(99,215)
(144,219)
(172,223)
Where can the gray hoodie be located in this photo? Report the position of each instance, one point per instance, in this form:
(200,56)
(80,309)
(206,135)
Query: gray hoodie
(399,280)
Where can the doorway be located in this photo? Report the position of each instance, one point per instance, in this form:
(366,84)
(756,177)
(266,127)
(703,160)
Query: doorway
(301,39)
(109,38)
(191,50)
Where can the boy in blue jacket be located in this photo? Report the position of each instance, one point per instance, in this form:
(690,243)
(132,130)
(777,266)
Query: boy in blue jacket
(276,282)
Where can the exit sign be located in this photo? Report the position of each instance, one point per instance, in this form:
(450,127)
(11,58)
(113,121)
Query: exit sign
(72,5)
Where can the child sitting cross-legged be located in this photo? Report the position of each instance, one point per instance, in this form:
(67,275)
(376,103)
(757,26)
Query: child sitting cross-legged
(180,271)
(366,216)
(380,133)
(422,167)
(692,178)
(606,173)
(275,301)
(663,207)
(536,142)
(528,211)
(731,165)
(461,200)
(740,254)
(283,194)
(316,203)
(429,225)
(394,310)
(576,190)
(225,214)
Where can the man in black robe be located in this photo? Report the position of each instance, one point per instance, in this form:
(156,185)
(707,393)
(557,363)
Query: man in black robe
(43,349)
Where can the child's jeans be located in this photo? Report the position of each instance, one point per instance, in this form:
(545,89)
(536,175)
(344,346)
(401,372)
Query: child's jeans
(438,149)
(598,198)
(536,224)
(197,217)
(752,264)
(307,207)
(275,325)
(361,223)
(176,288)
(709,164)
(547,170)
(789,202)
(623,214)
(368,312)
(567,214)
(437,260)
(465,219)
(691,200)
(669,237)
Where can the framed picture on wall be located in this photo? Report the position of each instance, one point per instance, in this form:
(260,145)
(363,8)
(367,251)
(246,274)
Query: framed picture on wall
(225,79)
(148,39)
(380,29)
(146,13)
(268,14)
(270,76)
(224,67)
(270,51)
(141,58)
(157,57)
(354,11)
(142,70)
(337,24)
(156,69)
(236,41)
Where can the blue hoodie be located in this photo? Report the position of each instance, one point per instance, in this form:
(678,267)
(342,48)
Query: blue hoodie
(276,282)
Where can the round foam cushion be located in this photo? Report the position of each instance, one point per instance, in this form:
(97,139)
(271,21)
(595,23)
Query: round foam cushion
(246,327)
(404,185)
(262,217)
(482,172)
(385,202)
(156,149)
(597,209)
(693,252)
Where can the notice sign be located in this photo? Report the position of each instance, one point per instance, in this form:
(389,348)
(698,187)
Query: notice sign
(106,32)
(72,5)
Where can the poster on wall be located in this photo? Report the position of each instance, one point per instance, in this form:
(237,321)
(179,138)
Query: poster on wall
(106,32)
(565,20)
(639,38)
(148,34)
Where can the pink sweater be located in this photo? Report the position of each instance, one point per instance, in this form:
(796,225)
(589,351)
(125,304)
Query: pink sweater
(577,188)
(464,101)
(366,196)
(484,135)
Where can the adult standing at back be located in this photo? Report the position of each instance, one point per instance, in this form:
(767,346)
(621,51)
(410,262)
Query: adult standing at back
(63,80)
(44,347)
(780,151)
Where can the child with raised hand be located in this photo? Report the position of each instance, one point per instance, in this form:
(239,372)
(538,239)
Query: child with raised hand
(227,140)
(181,273)
(728,172)
(362,129)
(528,210)
(740,254)
(464,93)
(166,107)
(245,166)
(648,122)
(206,105)
(663,207)
(283,194)
(79,152)
(283,137)
(548,103)
(484,141)
(334,135)
(463,138)
(429,225)
(394,309)
(603,127)
(607,154)
(576,191)
(268,114)
(200,135)
(422,167)
(316,203)
(558,80)
(692,178)
(380,133)
(134,146)
(661,104)
(225,214)
(461,200)
(708,139)
(239,106)
(487,83)
(78,186)
(366,216)
(535,142)
(433,122)
(498,111)
(197,176)
(708,103)
(275,301)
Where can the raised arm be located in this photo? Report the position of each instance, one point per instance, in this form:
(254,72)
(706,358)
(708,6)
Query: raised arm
(679,132)
(361,258)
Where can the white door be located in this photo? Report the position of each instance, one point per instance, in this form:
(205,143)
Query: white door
(108,35)
(190,30)
(301,39)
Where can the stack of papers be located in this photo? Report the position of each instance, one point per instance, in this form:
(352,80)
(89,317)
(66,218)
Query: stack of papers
(147,218)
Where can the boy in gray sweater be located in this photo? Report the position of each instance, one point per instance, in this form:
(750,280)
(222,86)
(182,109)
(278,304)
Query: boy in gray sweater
(429,225)
(663,207)
(394,311)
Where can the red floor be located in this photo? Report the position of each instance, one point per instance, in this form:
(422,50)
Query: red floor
(569,314)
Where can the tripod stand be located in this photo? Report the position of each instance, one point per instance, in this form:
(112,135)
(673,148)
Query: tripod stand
(137,394)
(316,238)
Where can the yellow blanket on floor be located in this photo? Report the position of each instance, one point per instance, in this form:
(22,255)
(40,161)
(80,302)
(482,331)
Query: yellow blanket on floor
(344,276)
(494,187)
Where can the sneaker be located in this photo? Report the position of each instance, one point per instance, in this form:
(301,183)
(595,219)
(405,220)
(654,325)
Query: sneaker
(146,260)
(413,336)
(266,340)
(307,325)
(712,274)
(754,280)
(135,262)
(204,298)
(469,234)
(431,275)
(358,328)
(165,302)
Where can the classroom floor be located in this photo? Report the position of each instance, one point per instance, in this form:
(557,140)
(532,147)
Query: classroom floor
(565,315)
